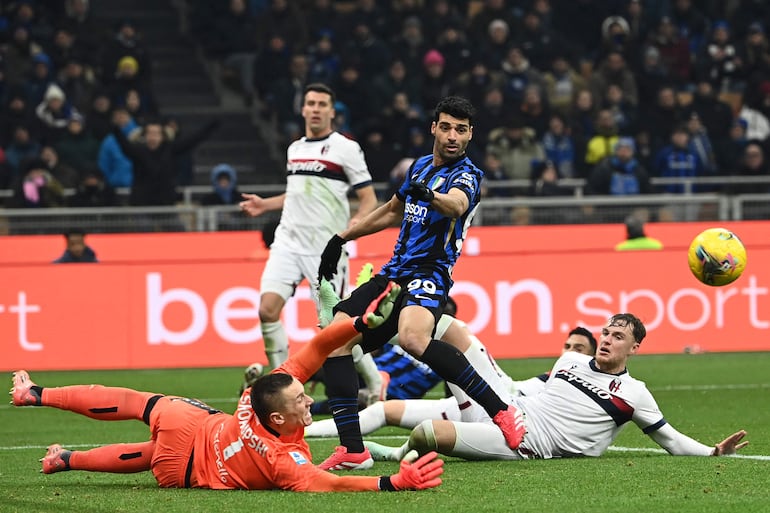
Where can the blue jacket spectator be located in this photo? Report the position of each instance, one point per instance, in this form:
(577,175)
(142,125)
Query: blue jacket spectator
(678,160)
(559,147)
(117,168)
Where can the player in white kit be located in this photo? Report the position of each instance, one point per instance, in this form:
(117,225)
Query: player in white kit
(582,408)
(321,167)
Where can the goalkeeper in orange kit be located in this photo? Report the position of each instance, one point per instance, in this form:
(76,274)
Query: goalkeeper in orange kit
(260,447)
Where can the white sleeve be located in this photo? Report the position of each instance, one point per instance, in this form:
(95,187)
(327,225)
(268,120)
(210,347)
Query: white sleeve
(354,164)
(679,444)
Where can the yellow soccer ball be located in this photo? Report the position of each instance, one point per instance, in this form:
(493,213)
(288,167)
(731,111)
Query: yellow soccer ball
(717,257)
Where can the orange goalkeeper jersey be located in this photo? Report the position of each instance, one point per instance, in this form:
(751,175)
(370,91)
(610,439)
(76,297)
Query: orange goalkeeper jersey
(237,452)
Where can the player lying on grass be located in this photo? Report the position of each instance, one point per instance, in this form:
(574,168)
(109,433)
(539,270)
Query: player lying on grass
(410,412)
(583,406)
(192,445)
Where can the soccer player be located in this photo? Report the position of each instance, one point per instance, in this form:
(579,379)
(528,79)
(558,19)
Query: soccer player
(409,413)
(320,169)
(192,445)
(435,207)
(582,408)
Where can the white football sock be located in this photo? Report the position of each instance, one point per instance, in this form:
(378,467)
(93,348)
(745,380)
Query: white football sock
(276,343)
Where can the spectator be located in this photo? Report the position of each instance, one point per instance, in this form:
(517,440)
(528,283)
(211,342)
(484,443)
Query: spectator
(716,115)
(651,76)
(16,112)
(636,239)
(492,113)
(674,51)
(235,44)
(535,111)
(324,64)
(658,120)
(755,53)
(273,62)
(476,83)
(440,16)
(67,175)
(614,71)
(620,174)
(285,98)
(617,37)
(18,54)
(677,160)
(516,146)
(559,147)
(117,168)
(355,93)
(602,143)
(40,78)
(562,83)
(380,152)
(494,46)
(224,180)
(719,62)
(690,22)
(283,17)
(394,80)
(492,10)
(730,151)
(494,172)
(53,114)
(93,191)
(127,42)
(77,147)
(154,181)
(757,125)
(37,188)
(21,148)
(371,52)
(518,75)
(77,83)
(582,127)
(99,114)
(538,43)
(753,164)
(545,180)
(434,83)
(410,46)
(138,106)
(454,46)
(127,78)
(700,144)
(623,111)
(77,251)
(400,119)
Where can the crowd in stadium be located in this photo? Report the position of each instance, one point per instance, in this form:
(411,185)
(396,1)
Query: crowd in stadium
(616,92)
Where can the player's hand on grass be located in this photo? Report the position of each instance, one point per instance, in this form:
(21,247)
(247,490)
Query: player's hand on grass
(420,475)
(731,444)
(330,258)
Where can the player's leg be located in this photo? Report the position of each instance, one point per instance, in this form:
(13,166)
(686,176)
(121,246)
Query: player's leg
(115,458)
(468,440)
(341,333)
(282,274)
(94,401)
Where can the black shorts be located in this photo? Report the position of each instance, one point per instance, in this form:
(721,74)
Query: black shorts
(419,288)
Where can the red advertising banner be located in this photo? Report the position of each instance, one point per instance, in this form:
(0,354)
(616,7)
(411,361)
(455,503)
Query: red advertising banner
(192,300)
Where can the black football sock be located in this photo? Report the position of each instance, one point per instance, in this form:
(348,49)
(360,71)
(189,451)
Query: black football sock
(342,390)
(449,363)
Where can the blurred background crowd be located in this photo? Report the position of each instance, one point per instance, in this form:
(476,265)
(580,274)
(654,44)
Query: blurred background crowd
(614,92)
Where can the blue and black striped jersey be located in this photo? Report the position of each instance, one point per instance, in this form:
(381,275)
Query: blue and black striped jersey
(409,377)
(428,239)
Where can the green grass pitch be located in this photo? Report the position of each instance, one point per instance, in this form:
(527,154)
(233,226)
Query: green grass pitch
(707,396)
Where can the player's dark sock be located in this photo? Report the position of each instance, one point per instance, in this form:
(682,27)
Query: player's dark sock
(342,390)
(449,363)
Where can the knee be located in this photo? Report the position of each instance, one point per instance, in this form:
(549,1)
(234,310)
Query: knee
(269,310)
(423,437)
(414,343)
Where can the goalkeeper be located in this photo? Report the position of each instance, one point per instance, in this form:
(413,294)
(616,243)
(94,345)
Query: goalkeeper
(193,445)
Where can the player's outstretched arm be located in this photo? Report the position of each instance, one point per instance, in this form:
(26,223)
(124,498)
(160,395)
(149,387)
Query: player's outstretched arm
(680,444)
(255,205)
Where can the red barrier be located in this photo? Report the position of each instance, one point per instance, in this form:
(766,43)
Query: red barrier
(191,300)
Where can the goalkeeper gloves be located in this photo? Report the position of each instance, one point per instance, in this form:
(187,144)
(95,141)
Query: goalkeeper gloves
(330,257)
(420,475)
(420,191)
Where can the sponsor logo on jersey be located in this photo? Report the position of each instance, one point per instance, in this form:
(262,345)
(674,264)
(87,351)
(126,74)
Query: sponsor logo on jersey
(295,166)
(467,180)
(614,406)
(298,458)
(414,213)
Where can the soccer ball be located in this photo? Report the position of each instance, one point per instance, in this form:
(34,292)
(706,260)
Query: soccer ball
(717,257)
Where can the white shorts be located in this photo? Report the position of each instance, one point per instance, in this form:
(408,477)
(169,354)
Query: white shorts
(285,270)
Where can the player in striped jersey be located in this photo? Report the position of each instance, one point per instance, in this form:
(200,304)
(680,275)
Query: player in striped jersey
(581,410)
(434,207)
(321,168)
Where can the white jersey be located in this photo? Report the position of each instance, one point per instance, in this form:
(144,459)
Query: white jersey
(319,174)
(581,410)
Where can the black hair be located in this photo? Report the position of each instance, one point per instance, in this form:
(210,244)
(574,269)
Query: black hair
(319,87)
(457,107)
(74,231)
(266,394)
(637,326)
(580,330)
